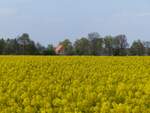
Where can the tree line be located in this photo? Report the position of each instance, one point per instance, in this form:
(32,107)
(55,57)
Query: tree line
(93,44)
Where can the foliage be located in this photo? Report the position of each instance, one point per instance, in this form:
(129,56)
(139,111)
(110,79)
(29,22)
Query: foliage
(137,48)
(74,84)
(68,48)
(82,46)
(93,44)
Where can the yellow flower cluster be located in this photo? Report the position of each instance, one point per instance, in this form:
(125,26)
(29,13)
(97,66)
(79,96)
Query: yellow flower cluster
(38,84)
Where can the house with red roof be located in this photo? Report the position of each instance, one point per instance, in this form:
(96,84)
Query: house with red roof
(59,49)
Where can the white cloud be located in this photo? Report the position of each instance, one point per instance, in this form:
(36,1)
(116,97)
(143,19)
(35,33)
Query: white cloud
(7,12)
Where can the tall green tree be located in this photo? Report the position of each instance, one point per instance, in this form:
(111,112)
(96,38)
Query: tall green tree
(68,47)
(137,48)
(11,47)
(108,42)
(26,45)
(120,45)
(96,43)
(49,50)
(2,45)
(82,46)
(147,47)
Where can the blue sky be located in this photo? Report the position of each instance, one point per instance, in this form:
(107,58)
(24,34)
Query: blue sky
(50,21)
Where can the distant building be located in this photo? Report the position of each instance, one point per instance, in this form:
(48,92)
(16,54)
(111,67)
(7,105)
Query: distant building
(59,49)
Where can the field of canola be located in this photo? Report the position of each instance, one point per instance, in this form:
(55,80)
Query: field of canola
(74,84)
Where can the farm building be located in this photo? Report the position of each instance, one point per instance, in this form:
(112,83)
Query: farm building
(59,49)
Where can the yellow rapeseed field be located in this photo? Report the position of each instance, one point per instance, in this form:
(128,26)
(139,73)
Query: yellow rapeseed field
(38,84)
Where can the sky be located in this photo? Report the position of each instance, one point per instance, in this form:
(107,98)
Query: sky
(51,21)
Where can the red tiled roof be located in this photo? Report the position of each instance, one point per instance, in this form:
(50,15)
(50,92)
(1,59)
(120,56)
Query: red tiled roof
(59,49)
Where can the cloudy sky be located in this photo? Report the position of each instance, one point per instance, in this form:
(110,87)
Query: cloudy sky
(49,21)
